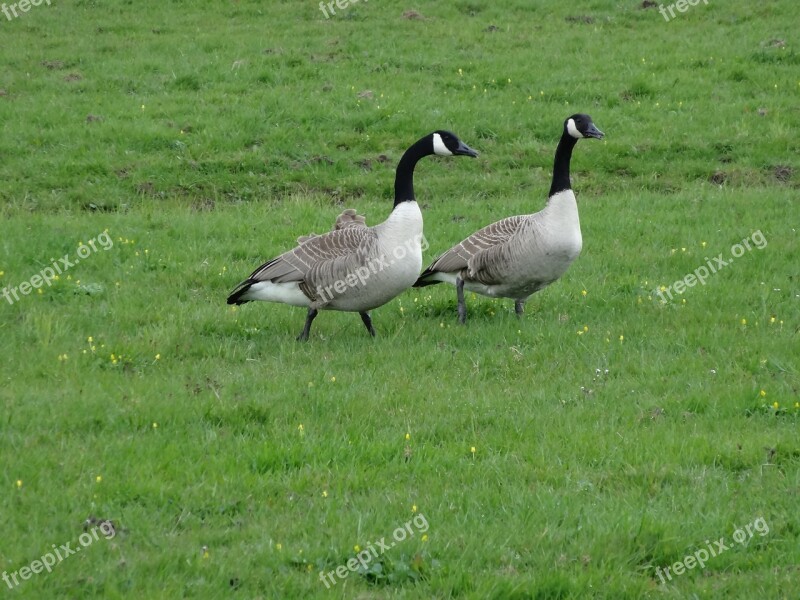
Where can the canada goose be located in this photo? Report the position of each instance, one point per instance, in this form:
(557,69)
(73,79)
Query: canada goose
(354,268)
(517,256)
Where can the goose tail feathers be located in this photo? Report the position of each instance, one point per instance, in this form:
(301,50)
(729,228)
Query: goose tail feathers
(237,295)
(424,280)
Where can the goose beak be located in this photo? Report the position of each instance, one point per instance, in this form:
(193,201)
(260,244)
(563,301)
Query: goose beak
(464,150)
(594,132)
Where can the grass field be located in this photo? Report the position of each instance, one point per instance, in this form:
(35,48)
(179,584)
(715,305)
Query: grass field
(575,453)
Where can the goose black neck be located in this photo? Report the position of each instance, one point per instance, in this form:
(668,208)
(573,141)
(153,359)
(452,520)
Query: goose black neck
(561,165)
(404,178)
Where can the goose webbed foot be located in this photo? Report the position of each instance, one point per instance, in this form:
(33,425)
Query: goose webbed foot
(312,313)
(462,306)
(365,318)
(519,307)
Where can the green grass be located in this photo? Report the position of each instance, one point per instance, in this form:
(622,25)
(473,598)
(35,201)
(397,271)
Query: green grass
(613,434)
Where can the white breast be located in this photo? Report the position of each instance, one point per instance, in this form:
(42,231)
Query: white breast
(561,227)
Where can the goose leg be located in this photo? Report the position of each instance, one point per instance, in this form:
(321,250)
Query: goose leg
(462,306)
(519,307)
(312,313)
(367,323)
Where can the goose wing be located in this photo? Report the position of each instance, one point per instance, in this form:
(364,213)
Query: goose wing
(458,257)
(318,259)
(313,252)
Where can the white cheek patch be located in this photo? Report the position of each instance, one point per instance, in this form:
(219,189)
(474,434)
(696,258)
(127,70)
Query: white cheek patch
(572,130)
(439,147)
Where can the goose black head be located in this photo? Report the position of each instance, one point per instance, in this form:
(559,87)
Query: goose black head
(581,126)
(446,143)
